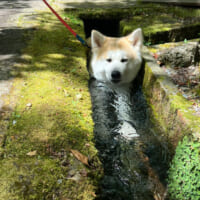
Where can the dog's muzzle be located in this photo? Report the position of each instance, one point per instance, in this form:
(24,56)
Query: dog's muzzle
(115,76)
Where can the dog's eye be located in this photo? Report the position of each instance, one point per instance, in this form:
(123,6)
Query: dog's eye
(124,60)
(109,60)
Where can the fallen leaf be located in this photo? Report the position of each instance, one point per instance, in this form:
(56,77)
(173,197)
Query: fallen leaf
(155,55)
(80,157)
(93,194)
(32,153)
(157,197)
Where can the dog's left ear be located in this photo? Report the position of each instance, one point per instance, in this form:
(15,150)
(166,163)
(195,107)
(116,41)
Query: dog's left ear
(97,39)
(136,38)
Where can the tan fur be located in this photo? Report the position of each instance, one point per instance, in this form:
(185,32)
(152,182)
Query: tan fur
(114,44)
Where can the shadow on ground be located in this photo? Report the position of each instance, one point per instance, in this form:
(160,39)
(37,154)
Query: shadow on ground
(12,42)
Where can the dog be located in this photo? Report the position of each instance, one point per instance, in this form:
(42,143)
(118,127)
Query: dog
(115,60)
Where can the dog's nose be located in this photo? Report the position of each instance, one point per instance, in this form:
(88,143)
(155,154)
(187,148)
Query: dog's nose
(116,76)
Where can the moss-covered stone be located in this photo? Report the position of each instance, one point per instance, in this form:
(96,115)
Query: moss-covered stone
(170,109)
(163,23)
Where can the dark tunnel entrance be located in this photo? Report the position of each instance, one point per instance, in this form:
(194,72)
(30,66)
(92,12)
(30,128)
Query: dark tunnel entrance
(108,25)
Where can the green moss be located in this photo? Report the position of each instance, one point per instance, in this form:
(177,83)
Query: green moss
(184,173)
(150,24)
(52,116)
(42,178)
(171,111)
(162,23)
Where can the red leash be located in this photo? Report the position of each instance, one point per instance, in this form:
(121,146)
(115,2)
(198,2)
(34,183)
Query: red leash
(66,25)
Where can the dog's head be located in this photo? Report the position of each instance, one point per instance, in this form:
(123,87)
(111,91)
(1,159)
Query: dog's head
(116,60)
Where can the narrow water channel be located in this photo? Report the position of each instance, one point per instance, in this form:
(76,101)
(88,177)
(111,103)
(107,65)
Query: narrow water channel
(134,156)
(134,159)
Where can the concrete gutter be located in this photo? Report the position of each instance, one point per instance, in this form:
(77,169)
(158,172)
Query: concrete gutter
(170,109)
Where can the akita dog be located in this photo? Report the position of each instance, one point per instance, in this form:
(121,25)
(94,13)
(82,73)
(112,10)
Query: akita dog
(116,60)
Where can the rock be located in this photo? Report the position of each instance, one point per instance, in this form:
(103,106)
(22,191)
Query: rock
(181,56)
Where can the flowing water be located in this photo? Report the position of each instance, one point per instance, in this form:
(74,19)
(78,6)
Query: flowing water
(134,156)
(135,159)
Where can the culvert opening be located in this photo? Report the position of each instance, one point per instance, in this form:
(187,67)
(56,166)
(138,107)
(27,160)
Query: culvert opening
(134,157)
(107,23)
(109,27)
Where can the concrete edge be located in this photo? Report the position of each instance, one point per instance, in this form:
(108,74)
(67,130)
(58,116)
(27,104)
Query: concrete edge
(169,108)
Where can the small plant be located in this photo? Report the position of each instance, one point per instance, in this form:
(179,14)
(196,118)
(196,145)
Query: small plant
(184,173)
(185,41)
(147,43)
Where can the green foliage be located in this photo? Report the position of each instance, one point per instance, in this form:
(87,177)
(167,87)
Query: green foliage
(184,173)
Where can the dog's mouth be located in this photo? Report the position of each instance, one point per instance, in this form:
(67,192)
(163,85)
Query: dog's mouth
(116,81)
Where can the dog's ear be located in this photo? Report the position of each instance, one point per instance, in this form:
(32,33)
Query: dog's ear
(136,38)
(97,39)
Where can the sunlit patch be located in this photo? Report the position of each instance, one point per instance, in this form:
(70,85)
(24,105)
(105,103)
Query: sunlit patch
(55,55)
(26,57)
(41,65)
